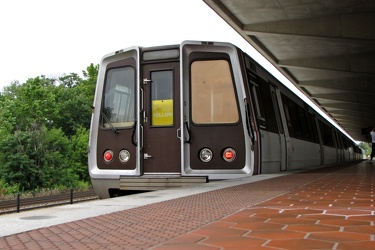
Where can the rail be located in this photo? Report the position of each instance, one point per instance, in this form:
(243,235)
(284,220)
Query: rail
(24,204)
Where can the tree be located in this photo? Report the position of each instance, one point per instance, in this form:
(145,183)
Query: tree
(33,101)
(70,80)
(78,156)
(17,169)
(73,109)
(91,76)
(37,158)
(75,97)
(44,131)
(366,147)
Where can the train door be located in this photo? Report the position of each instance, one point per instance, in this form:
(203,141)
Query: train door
(160,114)
(320,136)
(216,136)
(276,101)
(339,154)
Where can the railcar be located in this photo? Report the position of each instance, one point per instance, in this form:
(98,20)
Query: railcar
(182,114)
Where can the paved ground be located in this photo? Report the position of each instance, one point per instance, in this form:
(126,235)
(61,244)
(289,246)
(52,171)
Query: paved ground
(330,208)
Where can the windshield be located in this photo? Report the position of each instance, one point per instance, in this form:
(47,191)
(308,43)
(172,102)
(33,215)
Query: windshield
(118,98)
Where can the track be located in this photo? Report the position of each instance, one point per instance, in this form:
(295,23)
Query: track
(18,205)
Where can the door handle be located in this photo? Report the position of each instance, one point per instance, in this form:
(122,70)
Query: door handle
(146,81)
(141,98)
(188,132)
(146,156)
(144,116)
(179,133)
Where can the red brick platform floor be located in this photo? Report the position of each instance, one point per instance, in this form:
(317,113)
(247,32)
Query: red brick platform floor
(329,208)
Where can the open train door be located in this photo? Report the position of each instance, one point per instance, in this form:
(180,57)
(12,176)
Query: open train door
(215,130)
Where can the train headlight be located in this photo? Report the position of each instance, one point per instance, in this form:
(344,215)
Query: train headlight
(229,154)
(205,155)
(124,156)
(108,156)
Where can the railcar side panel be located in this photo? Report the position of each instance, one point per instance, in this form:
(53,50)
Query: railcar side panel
(329,155)
(269,118)
(304,154)
(271,153)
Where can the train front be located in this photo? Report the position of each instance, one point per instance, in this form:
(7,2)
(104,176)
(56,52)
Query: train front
(169,116)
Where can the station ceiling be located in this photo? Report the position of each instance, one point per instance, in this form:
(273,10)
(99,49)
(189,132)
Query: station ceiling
(326,48)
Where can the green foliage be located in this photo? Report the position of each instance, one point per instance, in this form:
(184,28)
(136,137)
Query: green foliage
(44,132)
(78,157)
(366,147)
(6,189)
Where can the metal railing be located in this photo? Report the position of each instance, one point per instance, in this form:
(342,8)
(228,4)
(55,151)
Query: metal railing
(18,204)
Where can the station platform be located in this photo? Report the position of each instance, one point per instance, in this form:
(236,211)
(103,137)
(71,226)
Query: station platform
(326,208)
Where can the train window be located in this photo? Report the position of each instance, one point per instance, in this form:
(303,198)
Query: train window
(287,115)
(294,120)
(258,103)
(288,118)
(118,98)
(326,133)
(213,99)
(300,122)
(277,112)
(344,142)
(311,124)
(311,127)
(162,98)
(303,123)
(337,139)
(292,117)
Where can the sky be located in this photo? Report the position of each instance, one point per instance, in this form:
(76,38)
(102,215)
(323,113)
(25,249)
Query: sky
(53,38)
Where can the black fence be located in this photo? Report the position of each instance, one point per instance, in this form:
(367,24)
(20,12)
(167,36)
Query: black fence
(18,204)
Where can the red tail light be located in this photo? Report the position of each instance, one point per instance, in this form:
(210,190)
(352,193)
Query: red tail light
(229,154)
(108,156)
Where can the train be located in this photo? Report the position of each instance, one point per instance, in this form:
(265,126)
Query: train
(200,111)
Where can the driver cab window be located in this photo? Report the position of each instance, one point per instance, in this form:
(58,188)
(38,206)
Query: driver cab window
(119,98)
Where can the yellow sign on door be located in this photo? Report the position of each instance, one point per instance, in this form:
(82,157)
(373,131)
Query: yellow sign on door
(162,112)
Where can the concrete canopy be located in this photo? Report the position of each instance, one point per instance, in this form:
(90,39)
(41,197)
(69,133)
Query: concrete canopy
(326,48)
